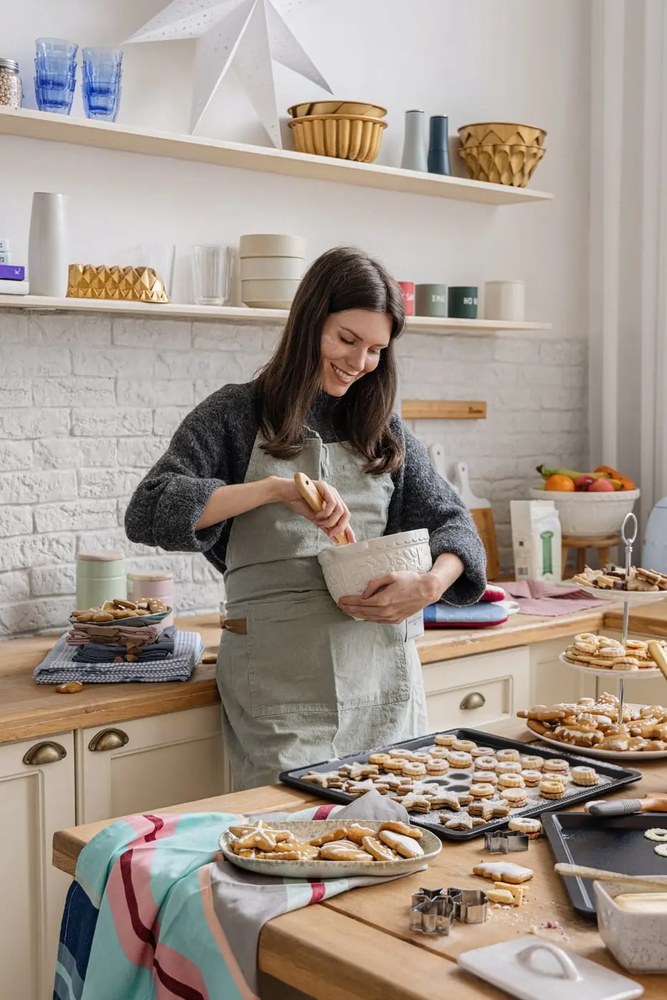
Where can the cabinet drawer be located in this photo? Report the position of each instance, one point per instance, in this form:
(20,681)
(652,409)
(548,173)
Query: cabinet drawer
(473,690)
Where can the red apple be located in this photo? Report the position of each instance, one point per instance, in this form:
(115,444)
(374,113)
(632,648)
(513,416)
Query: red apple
(601,486)
(582,483)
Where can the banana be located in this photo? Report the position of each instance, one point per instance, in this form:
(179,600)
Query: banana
(543,471)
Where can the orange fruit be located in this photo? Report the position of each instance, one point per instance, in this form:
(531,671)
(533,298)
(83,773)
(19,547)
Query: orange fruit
(562,483)
(626,483)
(614,473)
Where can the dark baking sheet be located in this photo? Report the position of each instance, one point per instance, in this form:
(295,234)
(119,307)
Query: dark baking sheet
(615,844)
(458,781)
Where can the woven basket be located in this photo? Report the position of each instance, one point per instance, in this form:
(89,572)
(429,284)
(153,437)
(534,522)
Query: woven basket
(307,109)
(502,164)
(501,133)
(348,137)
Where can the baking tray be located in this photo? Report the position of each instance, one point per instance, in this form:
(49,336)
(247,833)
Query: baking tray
(616,844)
(459,780)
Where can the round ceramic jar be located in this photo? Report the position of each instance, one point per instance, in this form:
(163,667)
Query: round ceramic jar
(159,585)
(11,91)
(100,577)
(505,300)
(348,569)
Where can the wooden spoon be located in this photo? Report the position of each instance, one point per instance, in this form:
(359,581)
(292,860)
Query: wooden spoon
(657,651)
(313,498)
(600,875)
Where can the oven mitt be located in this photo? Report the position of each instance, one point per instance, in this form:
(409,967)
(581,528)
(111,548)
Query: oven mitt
(480,615)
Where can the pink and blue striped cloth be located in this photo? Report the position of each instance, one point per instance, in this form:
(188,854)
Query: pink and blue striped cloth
(156,912)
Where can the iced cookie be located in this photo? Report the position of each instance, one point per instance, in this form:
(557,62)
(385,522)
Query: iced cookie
(503,871)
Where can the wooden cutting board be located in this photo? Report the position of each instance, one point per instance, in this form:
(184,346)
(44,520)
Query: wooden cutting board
(482,515)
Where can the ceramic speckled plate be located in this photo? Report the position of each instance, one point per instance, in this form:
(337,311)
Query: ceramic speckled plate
(619,675)
(139,621)
(308,830)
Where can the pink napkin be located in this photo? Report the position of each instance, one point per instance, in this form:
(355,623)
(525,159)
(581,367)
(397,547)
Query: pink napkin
(537,598)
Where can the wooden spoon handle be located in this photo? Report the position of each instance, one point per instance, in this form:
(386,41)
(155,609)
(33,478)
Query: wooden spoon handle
(581,871)
(657,651)
(313,498)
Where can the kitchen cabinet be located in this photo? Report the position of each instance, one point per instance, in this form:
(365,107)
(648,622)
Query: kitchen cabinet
(149,763)
(551,682)
(36,799)
(472,690)
(78,777)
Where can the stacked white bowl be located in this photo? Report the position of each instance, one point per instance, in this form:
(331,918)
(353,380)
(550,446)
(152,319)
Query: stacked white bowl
(271,268)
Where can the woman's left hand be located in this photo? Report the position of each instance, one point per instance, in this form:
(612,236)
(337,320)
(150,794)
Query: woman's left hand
(392,598)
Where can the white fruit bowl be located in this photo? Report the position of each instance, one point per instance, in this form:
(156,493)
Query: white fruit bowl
(348,569)
(590,515)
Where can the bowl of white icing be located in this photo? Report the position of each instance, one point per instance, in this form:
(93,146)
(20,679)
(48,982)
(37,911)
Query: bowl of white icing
(348,569)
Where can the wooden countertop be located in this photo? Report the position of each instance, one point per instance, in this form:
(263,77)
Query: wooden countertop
(357,946)
(28,710)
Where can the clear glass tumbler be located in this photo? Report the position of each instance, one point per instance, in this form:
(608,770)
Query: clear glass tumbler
(159,256)
(55,74)
(102,71)
(211,274)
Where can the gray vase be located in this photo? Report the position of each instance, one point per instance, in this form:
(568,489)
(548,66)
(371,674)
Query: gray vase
(414,143)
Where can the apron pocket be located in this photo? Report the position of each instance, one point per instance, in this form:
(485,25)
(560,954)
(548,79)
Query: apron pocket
(370,664)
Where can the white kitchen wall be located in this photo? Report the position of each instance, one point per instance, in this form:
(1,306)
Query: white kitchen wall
(86,404)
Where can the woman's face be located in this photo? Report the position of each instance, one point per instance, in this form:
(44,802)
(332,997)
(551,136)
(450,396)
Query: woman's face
(352,342)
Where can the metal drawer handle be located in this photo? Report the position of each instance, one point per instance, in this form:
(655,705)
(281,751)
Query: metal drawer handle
(108,739)
(473,700)
(47,752)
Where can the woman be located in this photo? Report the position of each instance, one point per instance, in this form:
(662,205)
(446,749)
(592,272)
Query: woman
(300,680)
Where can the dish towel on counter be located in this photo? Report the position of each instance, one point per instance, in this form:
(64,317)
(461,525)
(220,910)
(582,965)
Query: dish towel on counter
(97,652)
(156,911)
(59,666)
(537,598)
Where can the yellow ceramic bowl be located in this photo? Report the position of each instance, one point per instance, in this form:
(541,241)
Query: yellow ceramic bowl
(502,163)
(337,108)
(348,137)
(503,133)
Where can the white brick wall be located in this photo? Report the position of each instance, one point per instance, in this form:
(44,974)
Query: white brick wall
(87,404)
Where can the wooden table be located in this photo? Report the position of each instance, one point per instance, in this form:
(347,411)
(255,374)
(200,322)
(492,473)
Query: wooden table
(357,946)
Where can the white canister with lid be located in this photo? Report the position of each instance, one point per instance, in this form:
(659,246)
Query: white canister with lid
(100,577)
(158,584)
(505,300)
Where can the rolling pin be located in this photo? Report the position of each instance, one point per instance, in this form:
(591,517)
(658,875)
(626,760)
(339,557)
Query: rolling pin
(580,871)
(657,651)
(627,807)
(313,498)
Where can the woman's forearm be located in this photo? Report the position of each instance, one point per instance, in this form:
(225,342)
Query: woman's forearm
(238,498)
(445,571)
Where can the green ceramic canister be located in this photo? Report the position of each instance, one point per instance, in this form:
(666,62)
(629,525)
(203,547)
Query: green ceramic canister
(100,577)
(462,302)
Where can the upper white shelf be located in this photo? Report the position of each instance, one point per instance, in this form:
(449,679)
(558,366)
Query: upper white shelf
(104,135)
(239,314)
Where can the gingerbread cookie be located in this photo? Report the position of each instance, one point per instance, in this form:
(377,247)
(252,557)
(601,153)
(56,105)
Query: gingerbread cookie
(503,871)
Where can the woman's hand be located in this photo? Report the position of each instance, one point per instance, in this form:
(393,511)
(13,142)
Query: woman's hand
(392,598)
(333,519)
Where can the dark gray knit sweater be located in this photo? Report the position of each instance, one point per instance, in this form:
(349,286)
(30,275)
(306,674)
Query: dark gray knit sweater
(212,448)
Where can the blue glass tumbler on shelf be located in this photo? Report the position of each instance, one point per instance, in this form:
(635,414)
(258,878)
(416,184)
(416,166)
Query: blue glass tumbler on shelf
(102,70)
(55,74)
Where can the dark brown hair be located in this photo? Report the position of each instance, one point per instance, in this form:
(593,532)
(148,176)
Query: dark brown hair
(340,279)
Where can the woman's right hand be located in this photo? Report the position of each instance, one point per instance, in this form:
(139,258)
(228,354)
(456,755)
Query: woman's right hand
(333,519)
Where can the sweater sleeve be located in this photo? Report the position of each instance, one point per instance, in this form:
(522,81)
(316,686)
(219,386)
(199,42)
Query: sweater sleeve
(170,499)
(422,499)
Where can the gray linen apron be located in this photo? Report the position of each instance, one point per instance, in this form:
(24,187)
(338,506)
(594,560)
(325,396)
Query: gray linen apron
(308,683)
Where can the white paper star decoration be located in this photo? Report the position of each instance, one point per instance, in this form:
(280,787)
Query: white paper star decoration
(245,33)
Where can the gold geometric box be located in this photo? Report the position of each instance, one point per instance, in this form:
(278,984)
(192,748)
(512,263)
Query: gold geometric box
(131,284)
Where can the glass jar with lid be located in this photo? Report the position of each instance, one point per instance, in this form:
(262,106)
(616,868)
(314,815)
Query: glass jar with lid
(11,91)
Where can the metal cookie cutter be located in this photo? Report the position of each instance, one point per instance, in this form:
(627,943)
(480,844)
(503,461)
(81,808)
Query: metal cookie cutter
(471,906)
(504,841)
(432,911)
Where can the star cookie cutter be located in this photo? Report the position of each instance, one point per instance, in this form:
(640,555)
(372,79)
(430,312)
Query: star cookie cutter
(504,841)
(432,911)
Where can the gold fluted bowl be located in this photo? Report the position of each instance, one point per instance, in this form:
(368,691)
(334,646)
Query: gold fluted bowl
(131,284)
(501,133)
(308,108)
(348,137)
(502,163)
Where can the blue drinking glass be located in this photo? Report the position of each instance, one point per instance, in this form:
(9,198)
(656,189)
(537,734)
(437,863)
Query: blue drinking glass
(102,71)
(55,74)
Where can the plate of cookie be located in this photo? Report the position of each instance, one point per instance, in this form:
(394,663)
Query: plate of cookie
(591,728)
(329,848)
(599,654)
(641,586)
(122,613)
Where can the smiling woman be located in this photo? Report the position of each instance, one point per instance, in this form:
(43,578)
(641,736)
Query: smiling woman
(300,679)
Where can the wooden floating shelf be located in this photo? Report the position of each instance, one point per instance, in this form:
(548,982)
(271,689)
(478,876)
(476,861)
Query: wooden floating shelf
(239,314)
(441,409)
(30,124)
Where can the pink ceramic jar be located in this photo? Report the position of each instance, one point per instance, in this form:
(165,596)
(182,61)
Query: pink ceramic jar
(159,585)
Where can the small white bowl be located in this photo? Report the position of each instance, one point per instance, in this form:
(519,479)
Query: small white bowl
(271,245)
(638,941)
(348,569)
(260,289)
(272,268)
(590,515)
